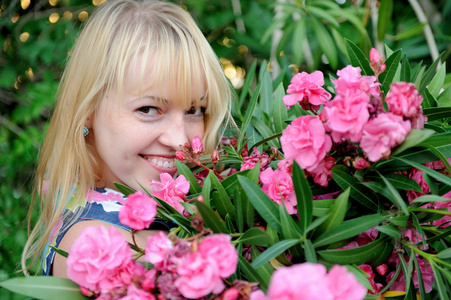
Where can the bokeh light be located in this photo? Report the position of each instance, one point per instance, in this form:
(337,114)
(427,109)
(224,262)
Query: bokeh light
(24,36)
(83,16)
(54,18)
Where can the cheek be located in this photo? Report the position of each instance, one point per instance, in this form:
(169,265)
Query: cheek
(197,129)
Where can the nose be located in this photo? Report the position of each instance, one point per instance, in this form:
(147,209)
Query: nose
(174,134)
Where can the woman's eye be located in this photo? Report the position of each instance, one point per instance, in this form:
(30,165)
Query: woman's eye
(196,111)
(148,110)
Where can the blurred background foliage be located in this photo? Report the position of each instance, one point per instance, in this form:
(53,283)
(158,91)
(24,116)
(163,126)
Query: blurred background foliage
(285,36)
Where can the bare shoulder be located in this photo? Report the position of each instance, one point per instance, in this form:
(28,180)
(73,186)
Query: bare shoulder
(59,263)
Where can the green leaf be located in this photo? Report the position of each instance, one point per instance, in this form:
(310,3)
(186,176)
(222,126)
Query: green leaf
(310,254)
(303,196)
(410,32)
(266,269)
(402,182)
(325,42)
(390,230)
(394,196)
(400,221)
(429,100)
(126,190)
(414,138)
(280,113)
(384,19)
(437,113)
(60,251)
(429,199)
(254,236)
(265,132)
(267,209)
(266,93)
(321,13)
(44,287)
(298,40)
(194,187)
(247,83)
(358,255)
(237,200)
(436,84)
(430,172)
(419,276)
(429,74)
(405,69)
(358,192)
(211,220)
(290,230)
(392,64)
(223,203)
(321,207)
(358,59)
(250,273)
(440,285)
(337,212)
(274,251)
(349,229)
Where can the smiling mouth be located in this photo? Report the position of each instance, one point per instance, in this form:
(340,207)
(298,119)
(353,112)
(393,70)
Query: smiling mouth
(161,162)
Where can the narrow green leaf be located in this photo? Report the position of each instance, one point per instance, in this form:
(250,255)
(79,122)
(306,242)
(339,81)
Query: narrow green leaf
(298,40)
(223,203)
(325,42)
(384,18)
(392,64)
(321,207)
(405,69)
(239,209)
(206,191)
(414,138)
(428,100)
(322,14)
(60,251)
(429,199)
(229,183)
(126,190)
(245,89)
(358,255)
(442,157)
(303,196)
(394,196)
(349,229)
(390,230)
(317,222)
(265,132)
(44,287)
(410,32)
(266,93)
(310,254)
(211,220)
(419,276)
(400,221)
(271,28)
(358,192)
(444,99)
(254,236)
(337,212)
(402,182)
(290,230)
(358,59)
(267,209)
(440,285)
(250,273)
(430,172)
(183,169)
(274,251)
(280,113)
(429,74)
(266,270)
(436,84)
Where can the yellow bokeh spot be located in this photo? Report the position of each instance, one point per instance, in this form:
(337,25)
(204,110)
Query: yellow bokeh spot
(30,73)
(98,2)
(16,85)
(282,53)
(67,15)
(24,4)
(243,50)
(53,2)
(235,74)
(24,36)
(83,16)
(54,18)
(295,68)
(15,18)
(3,6)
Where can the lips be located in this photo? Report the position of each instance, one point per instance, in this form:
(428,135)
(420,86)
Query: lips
(161,163)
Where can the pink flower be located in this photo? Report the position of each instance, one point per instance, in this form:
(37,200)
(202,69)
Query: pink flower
(97,258)
(219,247)
(383,133)
(197,145)
(360,163)
(134,293)
(247,166)
(198,276)
(305,281)
(230,294)
(257,295)
(350,80)
(305,140)
(343,284)
(426,273)
(404,100)
(368,270)
(180,155)
(278,185)
(346,115)
(139,211)
(158,248)
(252,160)
(171,191)
(416,175)
(382,269)
(307,90)
(376,62)
(322,174)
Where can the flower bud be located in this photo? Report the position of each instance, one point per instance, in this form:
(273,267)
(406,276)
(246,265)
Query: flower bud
(197,145)
(360,163)
(382,269)
(215,156)
(180,155)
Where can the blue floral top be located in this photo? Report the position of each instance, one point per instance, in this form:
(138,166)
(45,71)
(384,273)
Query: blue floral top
(102,205)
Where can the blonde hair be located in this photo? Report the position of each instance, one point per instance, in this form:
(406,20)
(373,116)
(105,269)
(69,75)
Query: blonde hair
(113,38)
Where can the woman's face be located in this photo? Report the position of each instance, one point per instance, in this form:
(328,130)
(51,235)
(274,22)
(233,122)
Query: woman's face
(136,137)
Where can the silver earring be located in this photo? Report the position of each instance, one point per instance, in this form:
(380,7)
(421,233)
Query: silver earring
(85,131)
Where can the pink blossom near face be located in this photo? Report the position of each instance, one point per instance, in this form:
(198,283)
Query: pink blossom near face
(230,294)
(305,281)
(306,89)
(197,145)
(404,100)
(376,62)
(374,56)
(134,293)
(139,211)
(198,276)
(350,80)
(346,115)
(97,258)
(305,141)
(343,284)
(171,191)
(278,185)
(251,160)
(322,174)
(381,134)
(219,247)
(158,248)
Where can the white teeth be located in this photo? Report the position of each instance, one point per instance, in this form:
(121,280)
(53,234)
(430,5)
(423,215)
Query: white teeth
(171,164)
(163,164)
(160,163)
(154,161)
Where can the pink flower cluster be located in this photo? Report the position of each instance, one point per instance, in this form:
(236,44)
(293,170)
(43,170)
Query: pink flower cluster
(355,116)
(310,281)
(139,211)
(195,270)
(278,185)
(172,191)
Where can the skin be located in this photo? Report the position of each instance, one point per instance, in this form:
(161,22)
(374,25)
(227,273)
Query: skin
(136,138)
